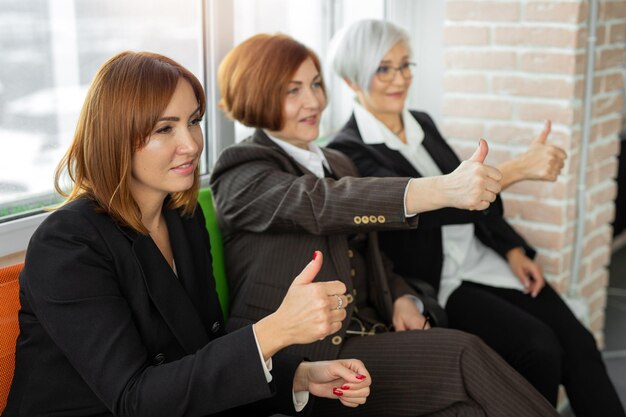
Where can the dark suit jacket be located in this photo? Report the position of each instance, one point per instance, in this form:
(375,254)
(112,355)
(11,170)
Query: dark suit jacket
(419,253)
(274,214)
(106,328)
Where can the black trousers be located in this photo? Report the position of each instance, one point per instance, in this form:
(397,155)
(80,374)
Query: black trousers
(542,339)
(437,373)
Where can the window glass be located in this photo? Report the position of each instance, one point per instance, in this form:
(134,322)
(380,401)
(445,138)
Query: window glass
(50,51)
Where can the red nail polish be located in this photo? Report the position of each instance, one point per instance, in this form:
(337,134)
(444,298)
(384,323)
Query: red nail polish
(361,377)
(345,387)
(337,392)
(314,255)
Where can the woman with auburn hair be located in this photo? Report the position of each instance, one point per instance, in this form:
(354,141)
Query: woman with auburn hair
(279,197)
(483,269)
(119,313)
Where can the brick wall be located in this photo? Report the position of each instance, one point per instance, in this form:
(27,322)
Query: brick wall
(509,66)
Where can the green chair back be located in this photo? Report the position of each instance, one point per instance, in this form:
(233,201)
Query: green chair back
(205,198)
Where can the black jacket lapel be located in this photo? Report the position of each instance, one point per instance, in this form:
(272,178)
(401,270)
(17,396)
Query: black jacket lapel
(169,296)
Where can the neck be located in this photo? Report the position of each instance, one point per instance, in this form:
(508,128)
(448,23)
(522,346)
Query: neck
(393,121)
(151,212)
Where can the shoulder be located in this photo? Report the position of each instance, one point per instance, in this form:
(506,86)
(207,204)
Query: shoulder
(348,135)
(74,225)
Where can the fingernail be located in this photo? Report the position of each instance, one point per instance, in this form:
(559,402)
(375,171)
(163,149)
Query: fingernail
(361,377)
(314,255)
(337,392)
(345,387)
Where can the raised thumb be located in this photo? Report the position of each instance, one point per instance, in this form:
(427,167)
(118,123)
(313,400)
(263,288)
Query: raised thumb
(310,271)
(481,152)
(543,136)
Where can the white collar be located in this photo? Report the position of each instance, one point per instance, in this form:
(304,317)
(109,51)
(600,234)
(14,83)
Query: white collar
(312,159)
(373,131)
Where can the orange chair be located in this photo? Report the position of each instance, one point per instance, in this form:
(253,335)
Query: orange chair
(9,327)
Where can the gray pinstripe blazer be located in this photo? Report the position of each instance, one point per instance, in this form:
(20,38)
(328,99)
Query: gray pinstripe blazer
(274,213)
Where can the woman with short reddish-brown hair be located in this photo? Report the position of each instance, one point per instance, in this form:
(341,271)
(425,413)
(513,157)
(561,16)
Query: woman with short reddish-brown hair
(279,196)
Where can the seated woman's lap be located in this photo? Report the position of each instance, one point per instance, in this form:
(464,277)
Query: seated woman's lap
(425,372)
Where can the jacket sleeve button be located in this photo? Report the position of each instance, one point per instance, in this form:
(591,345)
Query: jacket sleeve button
(336,340)
(357,219)
(381,219)
(215,327)
(159,359)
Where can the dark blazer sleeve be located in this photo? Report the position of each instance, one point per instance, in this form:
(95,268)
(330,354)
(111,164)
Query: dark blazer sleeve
(258,189)
(70,280)
(380,161)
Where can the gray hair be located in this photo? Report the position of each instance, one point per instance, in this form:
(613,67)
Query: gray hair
(356,51)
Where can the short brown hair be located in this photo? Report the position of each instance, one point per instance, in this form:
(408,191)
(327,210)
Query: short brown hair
(124,102)
(254,76)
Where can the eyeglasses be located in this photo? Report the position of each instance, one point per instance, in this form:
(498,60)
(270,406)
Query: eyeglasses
(386,73)
(362,330)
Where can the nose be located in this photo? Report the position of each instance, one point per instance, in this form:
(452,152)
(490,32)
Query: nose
(188,143)
(312,100)
(398,78)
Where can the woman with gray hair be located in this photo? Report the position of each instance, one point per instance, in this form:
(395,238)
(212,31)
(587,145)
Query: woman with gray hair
(482,269)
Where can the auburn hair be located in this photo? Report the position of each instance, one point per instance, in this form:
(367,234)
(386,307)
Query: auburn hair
(124,102)
(254,76)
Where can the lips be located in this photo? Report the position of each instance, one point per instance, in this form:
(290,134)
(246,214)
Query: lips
(310,120)
(184,168)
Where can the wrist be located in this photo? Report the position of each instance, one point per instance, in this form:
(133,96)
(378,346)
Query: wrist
(270,336)
(300,378)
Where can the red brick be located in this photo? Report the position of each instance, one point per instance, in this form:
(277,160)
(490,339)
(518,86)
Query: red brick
(465,83)
(482,108)
(610,58)
(617,33)
(556,11)
(541,111)
(512,135)
(466,35)
(489,11)
(539,36)
(610,10)
(462,130)
(610,127)
(533,87)
(552,62)
(604,106)
(483,60)
(591,286)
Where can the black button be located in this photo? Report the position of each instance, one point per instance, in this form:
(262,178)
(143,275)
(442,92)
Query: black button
(159,358)
(215,327)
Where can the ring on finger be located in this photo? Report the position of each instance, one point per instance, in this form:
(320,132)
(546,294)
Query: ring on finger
(339,302)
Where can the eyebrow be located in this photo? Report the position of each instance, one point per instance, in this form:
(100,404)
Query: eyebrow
(387,61)
(177,119)
(300,82)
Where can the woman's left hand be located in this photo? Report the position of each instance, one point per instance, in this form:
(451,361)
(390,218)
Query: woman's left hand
(344,379)
(406,315)
(542,161)
(527,270)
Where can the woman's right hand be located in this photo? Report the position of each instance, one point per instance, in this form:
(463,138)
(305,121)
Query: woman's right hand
(309,312)
(472,185)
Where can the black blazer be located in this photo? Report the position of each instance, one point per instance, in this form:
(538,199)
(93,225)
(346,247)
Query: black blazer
(274,213)
(107,329)
(419,253)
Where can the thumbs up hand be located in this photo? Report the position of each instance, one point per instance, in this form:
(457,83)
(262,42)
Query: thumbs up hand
(542,161)
(309,312)
(473,185)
